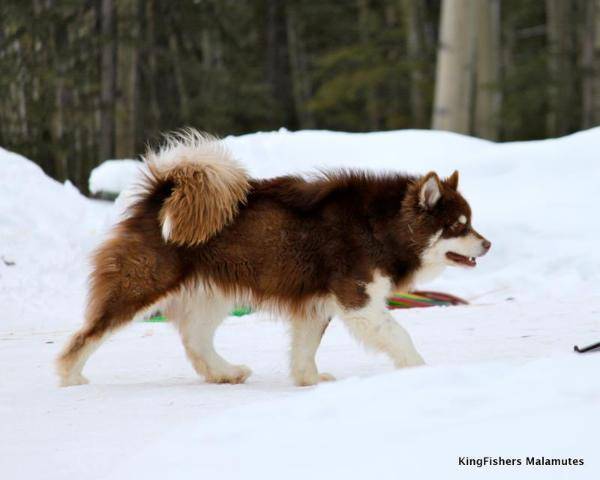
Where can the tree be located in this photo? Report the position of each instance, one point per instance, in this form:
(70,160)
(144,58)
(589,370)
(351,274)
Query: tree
(487,95)
(301,82)
(467,98)
(364,29)
(109,78)
(561,65)
(413,13)
(455,67)
(126,108)
(278,63)
(591,66)
(84,81)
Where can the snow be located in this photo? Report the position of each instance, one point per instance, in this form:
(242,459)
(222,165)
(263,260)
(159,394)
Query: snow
(391,426)
(501,380)
(114,176)
(47,230)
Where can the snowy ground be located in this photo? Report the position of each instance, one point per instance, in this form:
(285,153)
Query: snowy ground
(501,380)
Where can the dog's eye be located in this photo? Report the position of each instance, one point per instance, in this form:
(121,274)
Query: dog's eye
(457,228)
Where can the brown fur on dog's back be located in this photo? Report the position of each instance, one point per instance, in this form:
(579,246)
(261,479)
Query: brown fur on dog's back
(297,239)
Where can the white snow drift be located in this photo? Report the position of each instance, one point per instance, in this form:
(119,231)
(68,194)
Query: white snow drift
(501,380)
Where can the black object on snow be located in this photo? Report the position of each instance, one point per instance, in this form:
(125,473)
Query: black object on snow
(587,349)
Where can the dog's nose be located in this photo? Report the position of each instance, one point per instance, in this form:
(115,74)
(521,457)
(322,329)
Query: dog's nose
(486,245)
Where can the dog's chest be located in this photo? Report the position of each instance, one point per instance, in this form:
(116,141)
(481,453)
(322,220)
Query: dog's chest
(427,272)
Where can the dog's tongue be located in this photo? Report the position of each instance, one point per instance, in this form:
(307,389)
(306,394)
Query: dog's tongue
(467,261)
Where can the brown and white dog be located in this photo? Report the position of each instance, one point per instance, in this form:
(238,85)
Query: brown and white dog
(203,237)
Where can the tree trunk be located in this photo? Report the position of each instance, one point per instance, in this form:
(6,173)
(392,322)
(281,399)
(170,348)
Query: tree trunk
(278,63)
(365,40)
(301,88)
(487,108)
(129,12)
(151,71)
(108,82)
(415,44)
(591,66)
(184,101)
(57,128)
(80,166)
(560,67)
(453,100)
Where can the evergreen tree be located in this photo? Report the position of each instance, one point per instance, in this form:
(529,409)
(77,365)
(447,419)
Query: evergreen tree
(87,80)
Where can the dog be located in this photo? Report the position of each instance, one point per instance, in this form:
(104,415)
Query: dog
(203,237)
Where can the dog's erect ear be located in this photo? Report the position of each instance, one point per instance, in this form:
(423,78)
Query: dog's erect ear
(429,193)
(452,180)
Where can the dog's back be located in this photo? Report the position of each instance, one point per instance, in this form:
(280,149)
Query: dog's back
(295,238)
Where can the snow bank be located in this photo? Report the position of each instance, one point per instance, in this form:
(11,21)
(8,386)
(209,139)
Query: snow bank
(533,200)
(147,415)
(46,232)
(409,424)
(114,176)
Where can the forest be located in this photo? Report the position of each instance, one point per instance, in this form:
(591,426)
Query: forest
(89,80)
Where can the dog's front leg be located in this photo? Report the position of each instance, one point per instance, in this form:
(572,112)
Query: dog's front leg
(377,330)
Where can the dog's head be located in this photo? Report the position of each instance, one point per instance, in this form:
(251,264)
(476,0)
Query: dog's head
(439,222)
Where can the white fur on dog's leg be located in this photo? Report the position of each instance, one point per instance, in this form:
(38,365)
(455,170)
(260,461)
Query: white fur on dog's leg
(379,331)
(375,327)
(233,374)
(69,369)
(306,337)
(410,360)
(306,379)
(198,315)
(73,380)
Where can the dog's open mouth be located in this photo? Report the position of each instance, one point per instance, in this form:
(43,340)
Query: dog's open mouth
(461,259)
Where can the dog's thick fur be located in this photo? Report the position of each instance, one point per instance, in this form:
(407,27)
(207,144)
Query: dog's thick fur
(203,237)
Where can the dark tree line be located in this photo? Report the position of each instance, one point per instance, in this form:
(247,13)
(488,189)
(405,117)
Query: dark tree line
(87,80)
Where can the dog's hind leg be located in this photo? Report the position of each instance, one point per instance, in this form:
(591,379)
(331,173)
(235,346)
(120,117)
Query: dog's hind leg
(128,277)
(306,338)
(73,358)
(106,313)
(198,314)
(100,322)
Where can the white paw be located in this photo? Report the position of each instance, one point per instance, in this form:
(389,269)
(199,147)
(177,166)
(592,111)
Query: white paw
(306,379)
(326,377)
(73,380)
(411,360)
(233,374)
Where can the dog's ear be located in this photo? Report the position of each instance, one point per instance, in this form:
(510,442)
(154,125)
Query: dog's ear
(430,191)
(452,180)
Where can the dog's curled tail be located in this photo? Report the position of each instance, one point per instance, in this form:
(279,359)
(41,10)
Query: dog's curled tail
(205,186)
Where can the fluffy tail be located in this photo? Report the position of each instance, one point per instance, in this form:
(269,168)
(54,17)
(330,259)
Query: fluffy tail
(206,185)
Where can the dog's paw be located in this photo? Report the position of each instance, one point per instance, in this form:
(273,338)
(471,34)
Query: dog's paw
(73,380)
(234,374)
(326,377)
(413,360)
(307,379)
